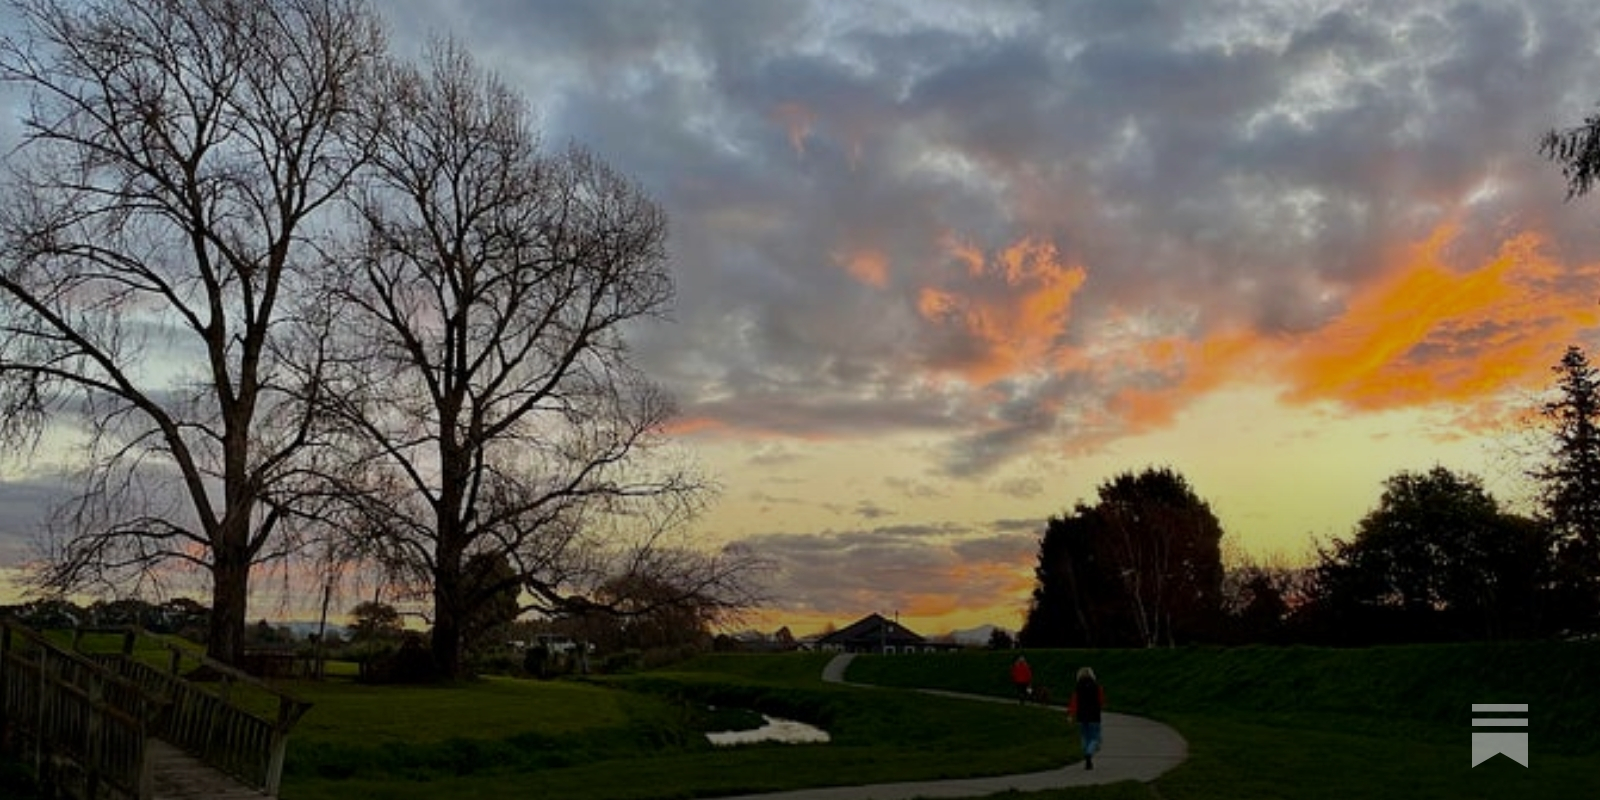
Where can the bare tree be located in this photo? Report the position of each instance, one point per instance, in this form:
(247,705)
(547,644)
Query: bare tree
(160,226)
(487,390)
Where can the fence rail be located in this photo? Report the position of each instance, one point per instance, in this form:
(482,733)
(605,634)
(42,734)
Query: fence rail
(95,709)
(81,726)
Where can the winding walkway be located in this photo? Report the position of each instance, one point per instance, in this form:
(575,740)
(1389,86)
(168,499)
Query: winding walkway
(1135,749)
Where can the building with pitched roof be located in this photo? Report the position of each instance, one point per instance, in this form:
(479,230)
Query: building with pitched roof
(875,633)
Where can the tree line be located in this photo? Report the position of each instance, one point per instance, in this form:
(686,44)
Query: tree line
(1438,558)
(311,303)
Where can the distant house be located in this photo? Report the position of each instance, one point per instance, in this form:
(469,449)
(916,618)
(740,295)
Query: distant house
(781,641)
(875,634)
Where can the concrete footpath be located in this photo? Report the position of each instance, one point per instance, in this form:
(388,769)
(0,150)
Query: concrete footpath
(1135,748)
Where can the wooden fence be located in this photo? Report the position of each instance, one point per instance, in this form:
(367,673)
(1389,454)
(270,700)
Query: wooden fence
(82,726)
(230,720)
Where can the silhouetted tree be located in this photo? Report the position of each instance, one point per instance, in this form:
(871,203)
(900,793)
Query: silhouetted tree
(1141,567)
(1078,598)
(1436,560)
(1257,605)
(373,621)
(48,613)
(492,587)
(1577,150)
(1167,544)
(485,385)
(634,613)
(1569,485)
(174,163)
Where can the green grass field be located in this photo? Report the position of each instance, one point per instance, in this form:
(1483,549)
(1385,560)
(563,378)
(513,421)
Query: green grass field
(1261,723)
(638,737)
(1318,723)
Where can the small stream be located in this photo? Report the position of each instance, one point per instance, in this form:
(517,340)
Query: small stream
(775,729)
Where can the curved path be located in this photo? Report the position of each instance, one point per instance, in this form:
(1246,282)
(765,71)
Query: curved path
(1135,749)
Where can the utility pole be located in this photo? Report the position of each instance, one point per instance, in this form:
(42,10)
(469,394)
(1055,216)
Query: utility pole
(322,628)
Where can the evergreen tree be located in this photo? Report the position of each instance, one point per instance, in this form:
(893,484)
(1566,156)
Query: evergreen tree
(1570,486)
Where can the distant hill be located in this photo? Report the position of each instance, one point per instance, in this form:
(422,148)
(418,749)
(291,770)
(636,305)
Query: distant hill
(975,637)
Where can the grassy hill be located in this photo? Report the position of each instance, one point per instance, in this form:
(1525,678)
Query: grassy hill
(1262,723)
(1425,690)
(637,736)
(1325,724)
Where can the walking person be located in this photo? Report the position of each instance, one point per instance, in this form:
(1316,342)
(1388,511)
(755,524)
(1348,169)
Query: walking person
(1088,698)
(1022,678)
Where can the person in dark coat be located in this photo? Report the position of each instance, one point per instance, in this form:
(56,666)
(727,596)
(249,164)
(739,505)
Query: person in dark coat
(1088,698)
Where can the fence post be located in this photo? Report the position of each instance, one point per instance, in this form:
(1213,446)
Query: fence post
(277,749)
(93,752)
(147,767)
(44,701)
(5,670)
(8,728)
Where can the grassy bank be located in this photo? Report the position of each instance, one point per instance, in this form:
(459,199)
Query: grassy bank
(1423,687)
(1320,723)
(637,736)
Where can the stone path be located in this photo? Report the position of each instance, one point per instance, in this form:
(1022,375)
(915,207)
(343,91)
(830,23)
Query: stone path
(1135,749)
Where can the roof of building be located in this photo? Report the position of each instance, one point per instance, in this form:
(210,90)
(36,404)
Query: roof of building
(873,629)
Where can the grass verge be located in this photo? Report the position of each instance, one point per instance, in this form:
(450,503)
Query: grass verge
(1321,723)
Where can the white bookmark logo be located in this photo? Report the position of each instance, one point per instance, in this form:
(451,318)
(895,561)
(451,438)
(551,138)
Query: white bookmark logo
(1485,744)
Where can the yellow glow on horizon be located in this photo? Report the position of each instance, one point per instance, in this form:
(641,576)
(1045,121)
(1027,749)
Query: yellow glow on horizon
(1280,478)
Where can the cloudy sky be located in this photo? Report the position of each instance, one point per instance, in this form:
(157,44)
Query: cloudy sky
(942,268)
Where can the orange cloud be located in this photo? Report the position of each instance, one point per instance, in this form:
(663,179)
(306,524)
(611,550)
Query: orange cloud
(869,266)
(1429,332)
(689,426)
(1011,310)
(964,252)
(1196,367)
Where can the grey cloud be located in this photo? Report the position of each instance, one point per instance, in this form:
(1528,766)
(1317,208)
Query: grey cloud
(912,488)
(1032,413)
(1032,526)
(1009,548)
(852,572)
(1021,488)
(867,509)
(25,504)
(1213,166)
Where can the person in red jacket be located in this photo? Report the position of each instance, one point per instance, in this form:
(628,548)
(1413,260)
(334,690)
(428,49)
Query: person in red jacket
(1088,698)
(1022,678)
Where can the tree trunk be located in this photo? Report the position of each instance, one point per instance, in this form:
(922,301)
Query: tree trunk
(446,640)
(230,590)
(447,603)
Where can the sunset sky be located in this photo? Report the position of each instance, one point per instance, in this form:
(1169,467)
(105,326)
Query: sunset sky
(943,267)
